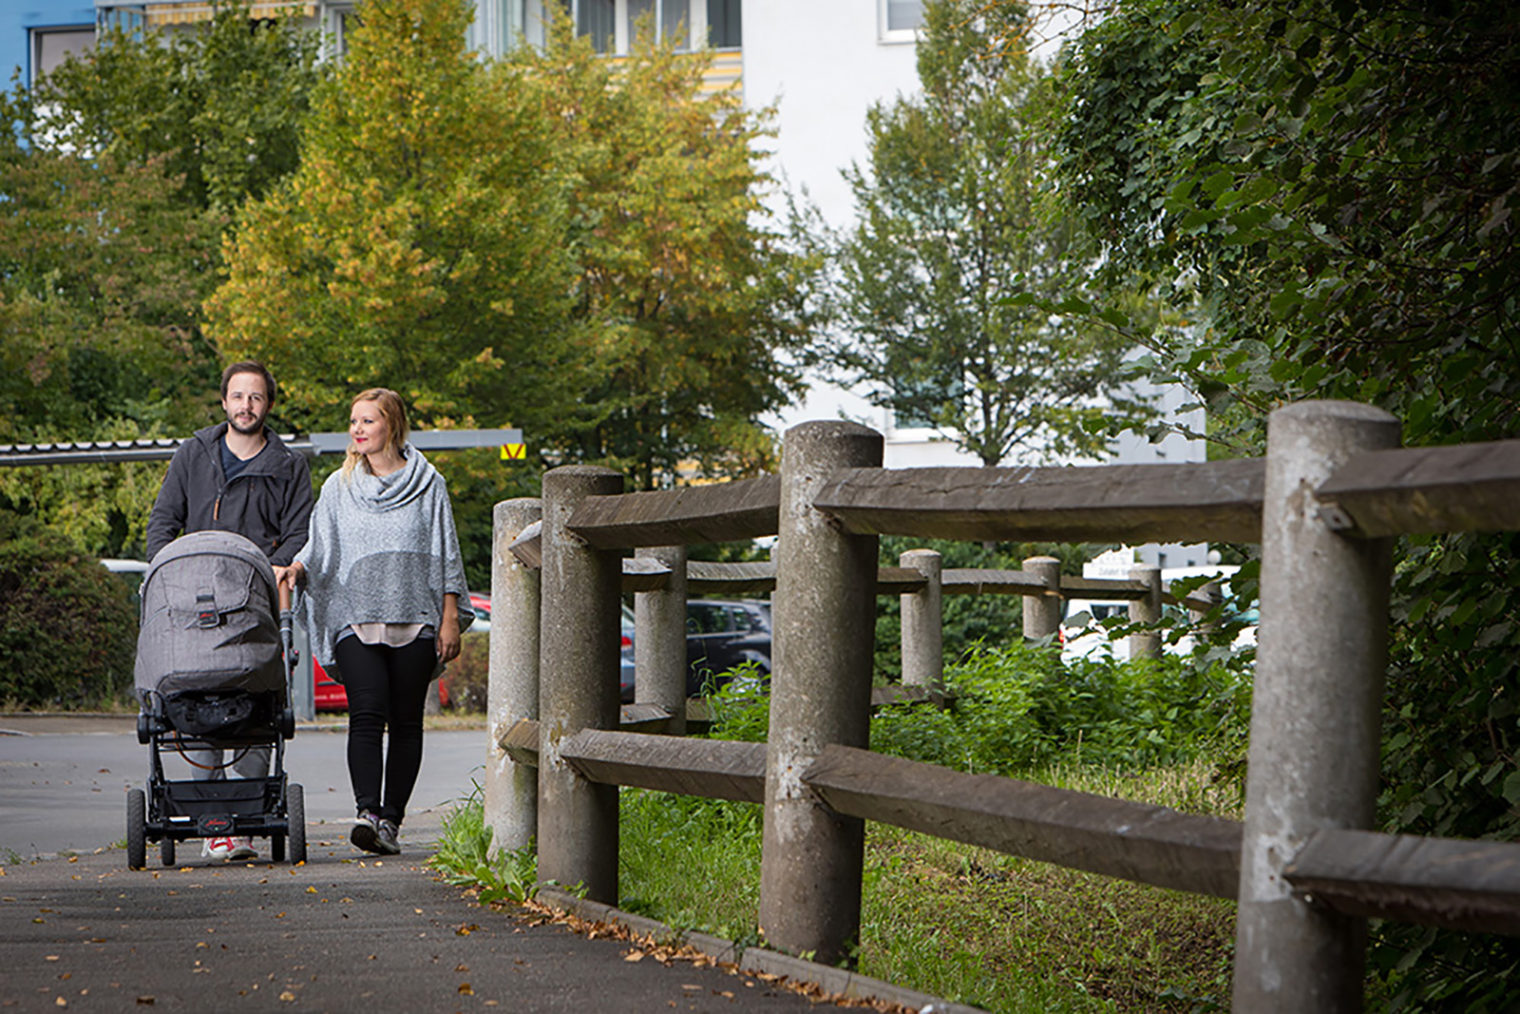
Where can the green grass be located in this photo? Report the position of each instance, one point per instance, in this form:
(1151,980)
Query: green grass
(952,920)
(965,923)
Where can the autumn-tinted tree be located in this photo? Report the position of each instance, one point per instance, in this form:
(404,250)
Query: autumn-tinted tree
(419,246)
(690,308)
(958,237)
(102,268)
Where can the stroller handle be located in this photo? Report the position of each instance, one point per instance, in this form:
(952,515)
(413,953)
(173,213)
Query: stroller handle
(287,637)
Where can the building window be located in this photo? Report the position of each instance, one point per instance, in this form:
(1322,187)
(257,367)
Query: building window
(598,19)
(899,20)
(671,19)
(723,24)
(51,46)
(612,25)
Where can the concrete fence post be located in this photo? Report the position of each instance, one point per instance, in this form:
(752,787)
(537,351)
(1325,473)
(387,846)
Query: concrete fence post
(511,789)
(1042,613)
(923,623)
(578,665)
(824,628)
(1313,760)
(659,639)
(1146,643)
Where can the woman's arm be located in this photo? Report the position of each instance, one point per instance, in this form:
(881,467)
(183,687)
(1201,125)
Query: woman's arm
(448,629)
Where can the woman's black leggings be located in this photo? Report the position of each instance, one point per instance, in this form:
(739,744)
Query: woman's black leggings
(386,687)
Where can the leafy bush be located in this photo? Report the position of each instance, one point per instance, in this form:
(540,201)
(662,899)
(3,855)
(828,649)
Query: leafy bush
(1018,708)
(68,629)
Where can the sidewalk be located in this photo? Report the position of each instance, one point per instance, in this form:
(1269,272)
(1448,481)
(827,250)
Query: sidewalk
(342,932)
(337,934)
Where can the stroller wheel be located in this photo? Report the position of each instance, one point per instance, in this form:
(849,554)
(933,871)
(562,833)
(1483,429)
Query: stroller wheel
(295,806)
(166,851)
(137,830)
(277,848)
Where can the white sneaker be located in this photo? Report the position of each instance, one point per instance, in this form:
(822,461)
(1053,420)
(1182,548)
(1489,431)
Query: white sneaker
(216,848)
(231,849)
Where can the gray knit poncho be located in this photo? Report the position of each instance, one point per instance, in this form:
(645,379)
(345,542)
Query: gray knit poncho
(382,550)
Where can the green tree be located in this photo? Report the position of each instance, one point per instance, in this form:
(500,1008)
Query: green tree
(118,172)
(221,105)
(102,268)
(958,237)
(691,311)
(1329,183)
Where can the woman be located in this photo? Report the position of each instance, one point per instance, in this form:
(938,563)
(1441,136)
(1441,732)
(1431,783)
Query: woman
(383,583)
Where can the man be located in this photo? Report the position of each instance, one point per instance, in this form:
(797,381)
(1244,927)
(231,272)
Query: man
(236,476)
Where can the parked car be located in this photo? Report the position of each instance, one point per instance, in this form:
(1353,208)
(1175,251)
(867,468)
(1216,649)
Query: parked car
(722,634)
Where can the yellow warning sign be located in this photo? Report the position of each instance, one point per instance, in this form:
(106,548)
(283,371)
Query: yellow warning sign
(514,452)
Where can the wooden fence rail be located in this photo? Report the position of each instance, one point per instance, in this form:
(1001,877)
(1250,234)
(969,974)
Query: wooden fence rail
(1303,866)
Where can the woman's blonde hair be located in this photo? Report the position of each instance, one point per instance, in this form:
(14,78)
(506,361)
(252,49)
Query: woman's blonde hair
(397,432)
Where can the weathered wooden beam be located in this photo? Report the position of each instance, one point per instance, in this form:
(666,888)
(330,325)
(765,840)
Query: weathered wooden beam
(714,768)
(640,573)
(1114,837)
(897,693)
(1465,885)
(1216,501)
(1102,588)
(897,580)
(721,512)
(520,742)
(706,577)
(528,546)
(1464,488)
(988,581)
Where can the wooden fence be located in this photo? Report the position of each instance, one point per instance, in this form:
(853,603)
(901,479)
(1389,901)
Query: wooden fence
(1304,868)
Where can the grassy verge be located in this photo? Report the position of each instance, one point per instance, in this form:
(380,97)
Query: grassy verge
(968,924)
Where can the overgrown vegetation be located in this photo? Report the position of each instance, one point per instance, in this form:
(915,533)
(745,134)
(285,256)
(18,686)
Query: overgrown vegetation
(961,922)
(1326,187)
(68,629)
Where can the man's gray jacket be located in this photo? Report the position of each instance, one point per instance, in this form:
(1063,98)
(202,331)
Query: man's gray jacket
(269,502)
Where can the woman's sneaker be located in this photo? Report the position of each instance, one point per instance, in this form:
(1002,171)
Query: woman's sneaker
(366,833)
(387,842)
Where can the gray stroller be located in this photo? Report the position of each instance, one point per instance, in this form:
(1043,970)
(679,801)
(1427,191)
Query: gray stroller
(212,672)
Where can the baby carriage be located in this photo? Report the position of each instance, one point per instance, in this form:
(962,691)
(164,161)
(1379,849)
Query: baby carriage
(212,673)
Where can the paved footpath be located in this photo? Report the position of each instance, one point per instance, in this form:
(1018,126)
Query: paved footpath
(345,931)
(337,934)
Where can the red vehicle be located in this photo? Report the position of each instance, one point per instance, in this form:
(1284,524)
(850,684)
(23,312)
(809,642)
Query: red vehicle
(329,695)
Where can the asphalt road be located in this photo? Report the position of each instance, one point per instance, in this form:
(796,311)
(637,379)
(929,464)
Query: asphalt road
(63,781)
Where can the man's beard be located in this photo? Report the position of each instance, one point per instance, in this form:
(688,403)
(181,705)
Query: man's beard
(257,426)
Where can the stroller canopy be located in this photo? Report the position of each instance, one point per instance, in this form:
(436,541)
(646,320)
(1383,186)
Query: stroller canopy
(209,619)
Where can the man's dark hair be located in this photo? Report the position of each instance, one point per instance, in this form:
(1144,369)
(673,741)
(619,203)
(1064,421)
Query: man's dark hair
(249,366)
